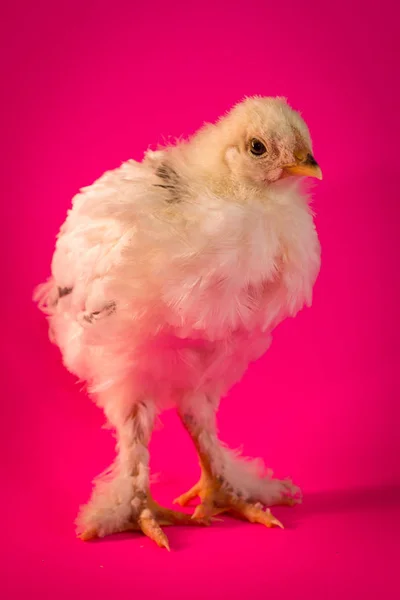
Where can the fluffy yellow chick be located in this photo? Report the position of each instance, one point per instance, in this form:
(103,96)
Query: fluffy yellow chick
(167,279)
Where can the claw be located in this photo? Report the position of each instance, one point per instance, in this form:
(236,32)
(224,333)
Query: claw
(88,534)
(255,514)
(152,529)
(273,520)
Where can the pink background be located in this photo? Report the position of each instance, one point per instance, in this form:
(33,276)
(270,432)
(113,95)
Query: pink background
(87,85)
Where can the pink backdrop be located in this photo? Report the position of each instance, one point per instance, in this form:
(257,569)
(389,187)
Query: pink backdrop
(89,84)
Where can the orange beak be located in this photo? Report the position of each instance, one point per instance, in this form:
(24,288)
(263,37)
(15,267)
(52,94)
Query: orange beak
(304,168)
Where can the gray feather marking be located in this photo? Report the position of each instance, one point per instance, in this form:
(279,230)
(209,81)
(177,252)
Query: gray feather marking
(64,291)
(108,309)
(170,180)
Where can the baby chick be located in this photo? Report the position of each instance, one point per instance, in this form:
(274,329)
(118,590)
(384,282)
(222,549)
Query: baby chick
(167,280)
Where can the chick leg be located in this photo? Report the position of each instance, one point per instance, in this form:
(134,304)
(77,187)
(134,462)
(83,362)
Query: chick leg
(227,483)
(121,500)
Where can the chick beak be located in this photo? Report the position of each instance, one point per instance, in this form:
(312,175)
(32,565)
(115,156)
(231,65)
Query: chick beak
(307,167)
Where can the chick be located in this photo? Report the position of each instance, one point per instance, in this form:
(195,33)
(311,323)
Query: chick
(167,279)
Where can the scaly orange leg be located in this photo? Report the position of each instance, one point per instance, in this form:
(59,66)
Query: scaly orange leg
(216,494)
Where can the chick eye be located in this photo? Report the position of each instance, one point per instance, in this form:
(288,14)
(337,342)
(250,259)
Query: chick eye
(257,148)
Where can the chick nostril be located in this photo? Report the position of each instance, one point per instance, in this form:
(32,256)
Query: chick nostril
(310,160)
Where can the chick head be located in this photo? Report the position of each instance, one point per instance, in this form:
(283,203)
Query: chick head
(265,140)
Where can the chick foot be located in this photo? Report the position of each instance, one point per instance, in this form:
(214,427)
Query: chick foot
(148,519)
(217,499)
